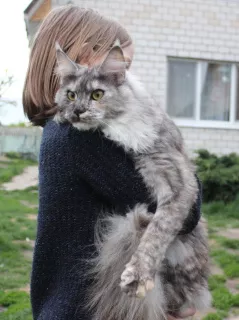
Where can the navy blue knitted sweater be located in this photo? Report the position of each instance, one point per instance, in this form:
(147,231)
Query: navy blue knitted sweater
(80,174)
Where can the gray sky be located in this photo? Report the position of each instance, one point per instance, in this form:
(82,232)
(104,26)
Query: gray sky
(14,54)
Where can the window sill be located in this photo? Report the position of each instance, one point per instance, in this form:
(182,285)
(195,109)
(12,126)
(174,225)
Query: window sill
(206,124)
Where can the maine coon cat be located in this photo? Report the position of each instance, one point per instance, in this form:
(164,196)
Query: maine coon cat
(144,268)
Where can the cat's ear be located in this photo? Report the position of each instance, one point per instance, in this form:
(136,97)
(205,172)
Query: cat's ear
(114,65)
(65,65)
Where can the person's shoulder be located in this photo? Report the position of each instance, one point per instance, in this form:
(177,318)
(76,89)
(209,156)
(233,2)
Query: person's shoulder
(60,145)
(56,137)
(64,134)
(53,129)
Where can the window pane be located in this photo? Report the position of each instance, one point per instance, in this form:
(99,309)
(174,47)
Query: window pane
(237,105)
(215,98)
(181,88)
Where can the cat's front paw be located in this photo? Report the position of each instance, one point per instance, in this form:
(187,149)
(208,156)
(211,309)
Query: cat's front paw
(136,279)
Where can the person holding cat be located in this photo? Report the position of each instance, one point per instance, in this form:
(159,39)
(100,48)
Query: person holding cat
(80,173)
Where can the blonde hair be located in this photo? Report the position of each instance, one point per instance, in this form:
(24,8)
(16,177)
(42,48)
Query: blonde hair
(71,27)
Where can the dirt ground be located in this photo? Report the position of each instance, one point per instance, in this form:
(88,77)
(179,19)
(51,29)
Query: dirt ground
(29,178)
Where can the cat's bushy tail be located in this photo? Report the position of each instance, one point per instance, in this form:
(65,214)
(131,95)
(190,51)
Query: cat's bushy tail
(117,238)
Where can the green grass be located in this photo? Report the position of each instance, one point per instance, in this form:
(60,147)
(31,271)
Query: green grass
(223,215)
(15,268)
(216,281)
(219,315)
(220,215)
(14,167)
(15,228)
(229,243)
(20,125)
(227,261)
(17,306)
(223,299)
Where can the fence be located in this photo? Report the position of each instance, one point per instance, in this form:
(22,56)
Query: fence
(22,140)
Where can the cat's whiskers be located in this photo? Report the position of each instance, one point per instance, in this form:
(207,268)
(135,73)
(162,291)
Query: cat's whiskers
(108,125)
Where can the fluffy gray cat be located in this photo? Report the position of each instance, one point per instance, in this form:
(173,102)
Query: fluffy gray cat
(144,268)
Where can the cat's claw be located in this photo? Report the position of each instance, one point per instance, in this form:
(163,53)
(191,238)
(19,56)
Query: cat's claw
(144,287)
(141,291)
(149,285)
(134,284)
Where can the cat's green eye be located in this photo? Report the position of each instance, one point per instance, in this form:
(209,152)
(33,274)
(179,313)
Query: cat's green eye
(71,95)
(97,94)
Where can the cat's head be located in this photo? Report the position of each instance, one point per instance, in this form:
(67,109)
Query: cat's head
(91,95)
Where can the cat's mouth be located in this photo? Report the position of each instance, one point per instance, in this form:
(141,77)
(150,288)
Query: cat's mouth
(81,119)
(77,118)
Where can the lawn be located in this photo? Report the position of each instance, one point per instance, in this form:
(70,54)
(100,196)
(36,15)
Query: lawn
(224,251)
(17,233)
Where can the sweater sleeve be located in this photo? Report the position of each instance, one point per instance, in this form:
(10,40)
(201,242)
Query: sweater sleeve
(79,174)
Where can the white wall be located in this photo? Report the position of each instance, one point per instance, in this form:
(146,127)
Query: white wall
(219,141)
(204,29)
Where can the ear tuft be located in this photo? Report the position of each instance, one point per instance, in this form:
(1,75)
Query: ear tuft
(65,65)
(117,43)
(114,65)
(58,47)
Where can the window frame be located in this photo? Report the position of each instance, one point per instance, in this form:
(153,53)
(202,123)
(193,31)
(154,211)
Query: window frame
(233,123)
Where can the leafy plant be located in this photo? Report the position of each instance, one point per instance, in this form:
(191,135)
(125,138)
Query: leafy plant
(219,175)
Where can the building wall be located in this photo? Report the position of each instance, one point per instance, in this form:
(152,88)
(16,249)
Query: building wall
(203,29)
(42,11)
(32,27)
(219,141)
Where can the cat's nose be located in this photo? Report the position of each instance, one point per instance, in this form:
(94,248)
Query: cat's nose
(78,112)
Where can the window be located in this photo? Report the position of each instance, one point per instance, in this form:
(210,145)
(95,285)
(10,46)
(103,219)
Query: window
(237,104)
(181,98)
(203,93)
(215,91)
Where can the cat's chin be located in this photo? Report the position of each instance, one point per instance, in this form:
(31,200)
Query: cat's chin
(84,126)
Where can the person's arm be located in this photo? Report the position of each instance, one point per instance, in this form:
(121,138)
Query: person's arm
(78,174)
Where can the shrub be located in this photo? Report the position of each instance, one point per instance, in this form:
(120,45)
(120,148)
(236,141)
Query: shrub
(13,155)
(21,155)
(219,175)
